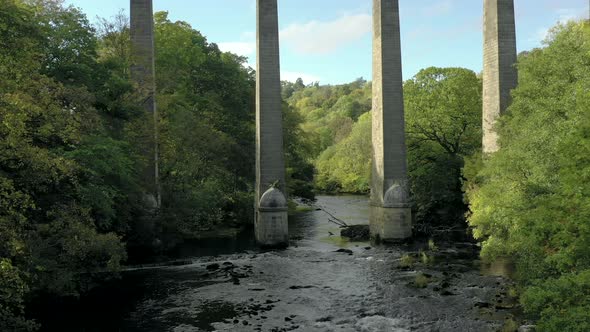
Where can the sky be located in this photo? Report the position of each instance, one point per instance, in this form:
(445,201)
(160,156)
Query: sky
(329,41)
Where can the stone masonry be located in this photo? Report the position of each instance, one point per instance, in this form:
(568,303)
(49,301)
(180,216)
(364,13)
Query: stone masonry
(499,71)
(390,210)
(271,226)
(143,73)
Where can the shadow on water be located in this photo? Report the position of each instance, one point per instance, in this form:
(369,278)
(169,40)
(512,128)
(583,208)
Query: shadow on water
(501,267)
(213,312)
(160,298)
(214,246)
(110,307)
(101,309)
(210,312)
(107,307)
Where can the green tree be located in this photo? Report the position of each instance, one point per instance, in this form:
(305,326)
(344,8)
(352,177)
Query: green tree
(53,228)
(443,126)
(328,112)
(299,170)
(530,200)
(346,166)
(206,102)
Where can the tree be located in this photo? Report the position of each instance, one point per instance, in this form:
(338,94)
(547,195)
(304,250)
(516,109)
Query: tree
(299,170)
(49,237)
(531,199)
(328,112)
(346,166)
(443,126)
(206,102)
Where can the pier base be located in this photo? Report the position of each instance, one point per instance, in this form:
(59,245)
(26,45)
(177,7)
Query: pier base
(390,224)
(271,224)
(272,228)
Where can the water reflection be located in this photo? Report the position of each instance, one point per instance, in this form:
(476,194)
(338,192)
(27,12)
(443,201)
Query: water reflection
(501,267)
(314,228)
(243,241)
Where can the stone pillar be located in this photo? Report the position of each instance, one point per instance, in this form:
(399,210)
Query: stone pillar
(143,74)
(499,71)
(271,225)
(390,212)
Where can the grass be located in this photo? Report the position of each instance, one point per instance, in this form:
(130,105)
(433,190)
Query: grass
(406,262)
(431,245)
(421,281)
(425,258)
(513,292)
(296,208)
(303,208)
(509,325)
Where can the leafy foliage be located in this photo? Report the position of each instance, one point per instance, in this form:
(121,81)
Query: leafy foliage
(206,104)
(71,196)
(346,166)
(48,234)
(530,200)
(443,126)
(328,112)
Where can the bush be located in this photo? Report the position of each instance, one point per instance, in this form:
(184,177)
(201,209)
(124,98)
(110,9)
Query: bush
(12,291)
(531,199)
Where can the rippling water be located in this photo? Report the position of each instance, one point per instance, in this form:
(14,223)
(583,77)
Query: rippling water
(233,286)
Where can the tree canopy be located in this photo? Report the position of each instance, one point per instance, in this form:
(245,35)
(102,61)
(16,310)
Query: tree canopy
(443,126)
(531,199)
(71,195)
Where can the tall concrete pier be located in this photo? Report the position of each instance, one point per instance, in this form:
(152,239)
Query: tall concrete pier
(271,225)
(499,71)
(143,73)
(390,212)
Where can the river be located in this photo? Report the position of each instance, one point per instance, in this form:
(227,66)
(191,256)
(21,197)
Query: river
(231,285)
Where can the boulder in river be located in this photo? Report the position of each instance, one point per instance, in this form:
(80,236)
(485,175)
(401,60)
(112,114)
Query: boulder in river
(356,232)
(213,267)
(346,251)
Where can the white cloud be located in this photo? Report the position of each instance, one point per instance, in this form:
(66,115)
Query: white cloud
(293,76)
(565,15)
(239,48)
(248,35)
(316,37)
(540,35)
(438,8)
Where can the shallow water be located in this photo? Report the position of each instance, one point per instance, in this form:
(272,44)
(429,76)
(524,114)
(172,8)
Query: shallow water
(307,287)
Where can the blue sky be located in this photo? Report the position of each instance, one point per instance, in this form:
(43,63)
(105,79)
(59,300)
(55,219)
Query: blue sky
(330,40)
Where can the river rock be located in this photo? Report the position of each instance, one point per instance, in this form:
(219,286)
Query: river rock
(213,267)
(356,232)
(504,306)
(482,305)
(346,251)
(300,287)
